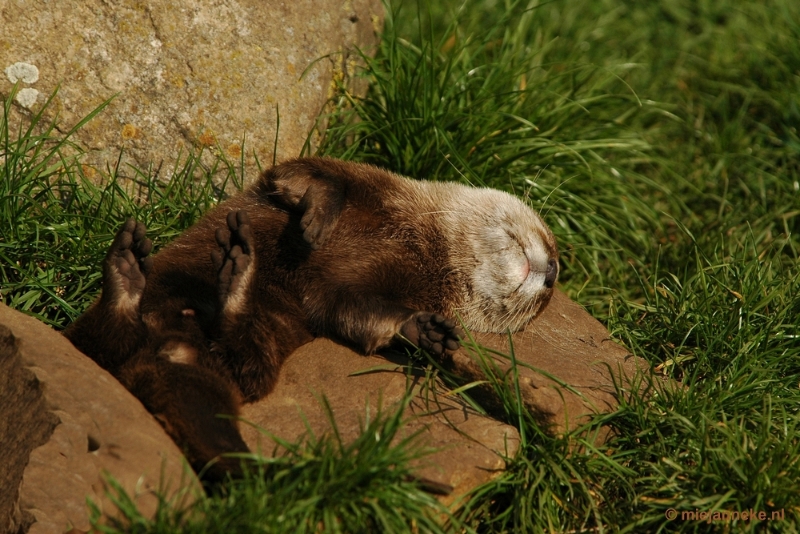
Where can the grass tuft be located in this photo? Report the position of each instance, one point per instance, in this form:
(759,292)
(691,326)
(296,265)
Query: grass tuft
(58,219)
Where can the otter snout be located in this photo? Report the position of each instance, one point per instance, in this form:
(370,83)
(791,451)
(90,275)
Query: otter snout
(551,273)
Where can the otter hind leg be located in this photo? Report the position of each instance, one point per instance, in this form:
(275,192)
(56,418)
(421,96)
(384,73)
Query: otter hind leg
(111,330)
(126,267)
(252,336)
(234,262)
(432,332)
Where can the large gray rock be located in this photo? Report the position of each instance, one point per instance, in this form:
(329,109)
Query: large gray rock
(63,423)
(186,73)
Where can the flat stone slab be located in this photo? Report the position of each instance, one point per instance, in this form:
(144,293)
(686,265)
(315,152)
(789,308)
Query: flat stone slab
(469,448)
(184,73)
(64,422)
(566,365)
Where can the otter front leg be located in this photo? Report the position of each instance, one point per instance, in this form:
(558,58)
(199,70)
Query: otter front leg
(432,332)
(111,330)
(373,323)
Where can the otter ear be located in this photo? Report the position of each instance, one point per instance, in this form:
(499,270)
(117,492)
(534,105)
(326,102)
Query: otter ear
(321,206)
(315,188)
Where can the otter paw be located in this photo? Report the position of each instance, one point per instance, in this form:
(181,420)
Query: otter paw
(234,260)
(127,264)
(432,332)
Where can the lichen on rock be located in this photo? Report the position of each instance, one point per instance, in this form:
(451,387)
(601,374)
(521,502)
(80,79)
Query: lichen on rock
(176,70)
(22,72)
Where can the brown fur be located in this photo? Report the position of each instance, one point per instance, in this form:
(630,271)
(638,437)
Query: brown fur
(316,247)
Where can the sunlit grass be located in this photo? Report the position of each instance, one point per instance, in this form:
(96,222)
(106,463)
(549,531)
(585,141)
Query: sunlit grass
(658,139)
(57,223)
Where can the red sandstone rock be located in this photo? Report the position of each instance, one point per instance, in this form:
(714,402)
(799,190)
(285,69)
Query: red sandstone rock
(63,422)
(563,344)
(470,448)
(64,419)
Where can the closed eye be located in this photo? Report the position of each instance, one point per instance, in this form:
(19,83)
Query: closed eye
(516,240)
(521,249)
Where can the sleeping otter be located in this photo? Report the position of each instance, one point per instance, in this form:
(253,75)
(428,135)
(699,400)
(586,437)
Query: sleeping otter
(317,247)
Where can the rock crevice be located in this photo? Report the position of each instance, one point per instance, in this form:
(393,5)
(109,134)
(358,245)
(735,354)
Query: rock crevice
(65,421)
(26,424)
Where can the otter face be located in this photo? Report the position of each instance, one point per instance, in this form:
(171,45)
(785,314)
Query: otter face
(515,263)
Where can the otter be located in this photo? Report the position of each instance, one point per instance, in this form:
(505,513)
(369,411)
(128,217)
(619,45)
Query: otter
(316,247)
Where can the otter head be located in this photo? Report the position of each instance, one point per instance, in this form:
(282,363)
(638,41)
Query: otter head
(512,262)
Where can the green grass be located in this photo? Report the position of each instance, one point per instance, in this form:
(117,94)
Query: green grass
(659,140)
(57,223)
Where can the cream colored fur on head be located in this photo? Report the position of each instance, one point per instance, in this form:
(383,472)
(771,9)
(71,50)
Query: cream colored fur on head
(501,247)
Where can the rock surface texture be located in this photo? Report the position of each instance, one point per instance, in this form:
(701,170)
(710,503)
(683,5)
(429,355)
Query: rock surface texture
(185,73)
(564,342)
(63,422)
(469,448)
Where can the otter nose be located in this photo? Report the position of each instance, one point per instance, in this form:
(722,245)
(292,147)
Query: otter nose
(551,273)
